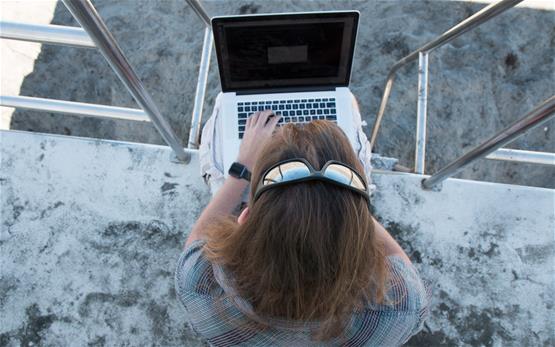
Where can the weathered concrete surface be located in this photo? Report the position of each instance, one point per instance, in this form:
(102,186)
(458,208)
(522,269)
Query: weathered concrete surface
(479,83)
(91,231)
(490,249)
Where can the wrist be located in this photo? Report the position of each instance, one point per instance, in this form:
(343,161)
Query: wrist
(238,181)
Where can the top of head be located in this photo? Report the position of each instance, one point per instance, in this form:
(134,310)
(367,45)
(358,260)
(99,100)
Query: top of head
(317,142)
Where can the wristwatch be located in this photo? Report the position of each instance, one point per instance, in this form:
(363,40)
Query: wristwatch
(239,170)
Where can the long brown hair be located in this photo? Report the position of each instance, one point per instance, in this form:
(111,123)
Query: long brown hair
(307,251)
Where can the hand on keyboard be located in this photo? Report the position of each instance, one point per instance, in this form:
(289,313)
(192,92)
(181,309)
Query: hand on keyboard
(258,129)
(295,111)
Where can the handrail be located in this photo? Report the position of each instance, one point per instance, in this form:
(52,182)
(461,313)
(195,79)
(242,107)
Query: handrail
(54,34)
(471,22)
(84,12)
(534,118)
(71,107)
(200,11)
(518,155)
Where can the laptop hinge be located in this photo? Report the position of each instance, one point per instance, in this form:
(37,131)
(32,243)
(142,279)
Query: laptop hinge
(286,90)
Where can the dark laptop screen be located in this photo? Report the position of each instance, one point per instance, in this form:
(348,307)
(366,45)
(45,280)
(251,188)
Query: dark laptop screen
(286,50)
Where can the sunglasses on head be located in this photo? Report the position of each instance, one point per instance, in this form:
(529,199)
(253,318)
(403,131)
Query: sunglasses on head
(299,170)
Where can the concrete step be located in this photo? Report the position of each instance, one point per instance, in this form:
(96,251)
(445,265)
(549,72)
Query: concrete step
(91,231)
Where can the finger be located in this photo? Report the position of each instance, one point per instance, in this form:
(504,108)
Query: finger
(255,117)
(263,118)
(273,122)
(249,120)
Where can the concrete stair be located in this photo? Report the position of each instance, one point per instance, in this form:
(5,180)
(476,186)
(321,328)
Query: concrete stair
(91,231)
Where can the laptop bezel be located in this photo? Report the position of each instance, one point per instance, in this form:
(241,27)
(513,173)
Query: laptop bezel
(319,87)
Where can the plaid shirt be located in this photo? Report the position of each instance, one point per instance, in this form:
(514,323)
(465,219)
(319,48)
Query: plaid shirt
(214,315)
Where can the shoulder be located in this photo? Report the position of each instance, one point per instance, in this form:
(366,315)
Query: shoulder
(407,291)
(209,312)
(193,273)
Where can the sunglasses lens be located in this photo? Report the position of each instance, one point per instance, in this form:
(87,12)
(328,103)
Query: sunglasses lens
(344,175)
(358,183)
(338,173)
(286,172)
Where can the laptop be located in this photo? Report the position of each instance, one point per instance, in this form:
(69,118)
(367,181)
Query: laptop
(296,64)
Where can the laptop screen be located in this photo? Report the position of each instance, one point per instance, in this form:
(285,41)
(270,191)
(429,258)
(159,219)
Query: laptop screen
(285,50)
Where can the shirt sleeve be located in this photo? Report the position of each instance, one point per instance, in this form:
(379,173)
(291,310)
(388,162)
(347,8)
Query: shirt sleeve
(208,313)
(191,271)
(410,293)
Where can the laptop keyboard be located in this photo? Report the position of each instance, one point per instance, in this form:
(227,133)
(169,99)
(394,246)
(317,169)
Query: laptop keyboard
(298,111)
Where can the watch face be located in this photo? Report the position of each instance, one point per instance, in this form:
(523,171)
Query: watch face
(239,170)
(236,169)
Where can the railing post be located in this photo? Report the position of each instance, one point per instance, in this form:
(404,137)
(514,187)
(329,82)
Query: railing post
(201,88)
(90,21)
(204,66)
(420,151)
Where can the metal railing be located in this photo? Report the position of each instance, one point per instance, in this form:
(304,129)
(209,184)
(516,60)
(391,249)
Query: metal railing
(207,43)
(53,34)
(94,33)
(518,155)
(200,11)
(84,12)
(471,22)
(534,118)
(196,118)
(71,107)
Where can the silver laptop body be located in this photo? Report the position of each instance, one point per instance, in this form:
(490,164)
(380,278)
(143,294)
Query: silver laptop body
(297,64)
